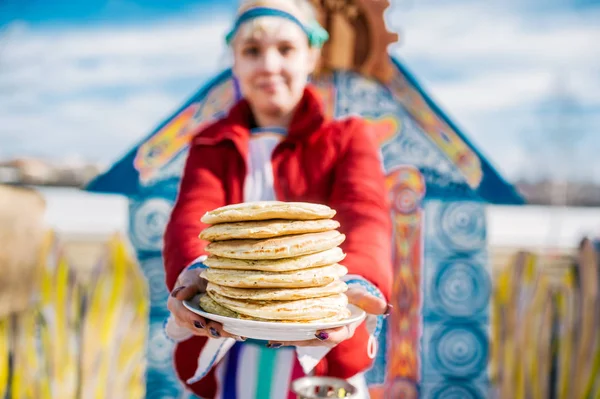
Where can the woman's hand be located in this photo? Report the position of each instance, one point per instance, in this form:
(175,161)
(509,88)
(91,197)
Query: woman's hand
(188,285)
(356,296)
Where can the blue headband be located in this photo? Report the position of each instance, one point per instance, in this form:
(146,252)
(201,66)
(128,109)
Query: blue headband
(317,35)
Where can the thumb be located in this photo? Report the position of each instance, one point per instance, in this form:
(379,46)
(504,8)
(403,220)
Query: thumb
(190,277)
(184,292)
(367,302)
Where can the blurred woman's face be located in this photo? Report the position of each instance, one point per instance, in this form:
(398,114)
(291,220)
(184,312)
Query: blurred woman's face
(272,62)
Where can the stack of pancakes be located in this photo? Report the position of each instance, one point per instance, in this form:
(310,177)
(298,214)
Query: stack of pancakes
(274,261)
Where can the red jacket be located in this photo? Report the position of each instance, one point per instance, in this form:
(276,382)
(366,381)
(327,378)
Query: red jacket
(333,162)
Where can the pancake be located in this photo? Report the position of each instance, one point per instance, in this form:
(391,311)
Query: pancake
(315,277)
(277,248)
(265,229)
(341,315)
(210,306)
(265,210)
(278,294)
(302,309)
(323,258)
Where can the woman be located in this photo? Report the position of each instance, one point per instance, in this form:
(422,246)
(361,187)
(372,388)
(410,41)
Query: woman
(277,144)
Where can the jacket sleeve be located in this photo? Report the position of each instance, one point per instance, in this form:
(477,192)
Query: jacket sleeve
(359,196)
(201,189)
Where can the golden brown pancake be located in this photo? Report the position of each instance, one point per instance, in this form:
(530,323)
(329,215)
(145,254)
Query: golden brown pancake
(265,229)
(265,210)
(277,248)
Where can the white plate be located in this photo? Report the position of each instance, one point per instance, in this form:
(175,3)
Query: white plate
(270,331)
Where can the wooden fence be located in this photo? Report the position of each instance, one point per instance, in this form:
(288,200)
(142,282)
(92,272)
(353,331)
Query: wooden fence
(78,338)
(546,328)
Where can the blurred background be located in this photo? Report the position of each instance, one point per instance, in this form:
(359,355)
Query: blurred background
(84,82)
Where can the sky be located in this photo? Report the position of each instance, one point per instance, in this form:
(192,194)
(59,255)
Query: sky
(87,80)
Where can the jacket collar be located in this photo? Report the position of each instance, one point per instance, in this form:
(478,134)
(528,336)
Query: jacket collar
(307,118)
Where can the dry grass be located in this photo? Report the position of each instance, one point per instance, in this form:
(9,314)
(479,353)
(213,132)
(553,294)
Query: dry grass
(21,238)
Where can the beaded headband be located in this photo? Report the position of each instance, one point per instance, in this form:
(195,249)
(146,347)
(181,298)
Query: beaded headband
(317,35)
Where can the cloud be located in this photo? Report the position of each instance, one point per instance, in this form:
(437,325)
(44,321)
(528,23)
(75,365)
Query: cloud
(495,90)
(491,67)
(472,28)
(499,51)
(94,128)
(69,60)
(95,91)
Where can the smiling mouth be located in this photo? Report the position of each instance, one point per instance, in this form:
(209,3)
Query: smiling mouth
(270,86)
